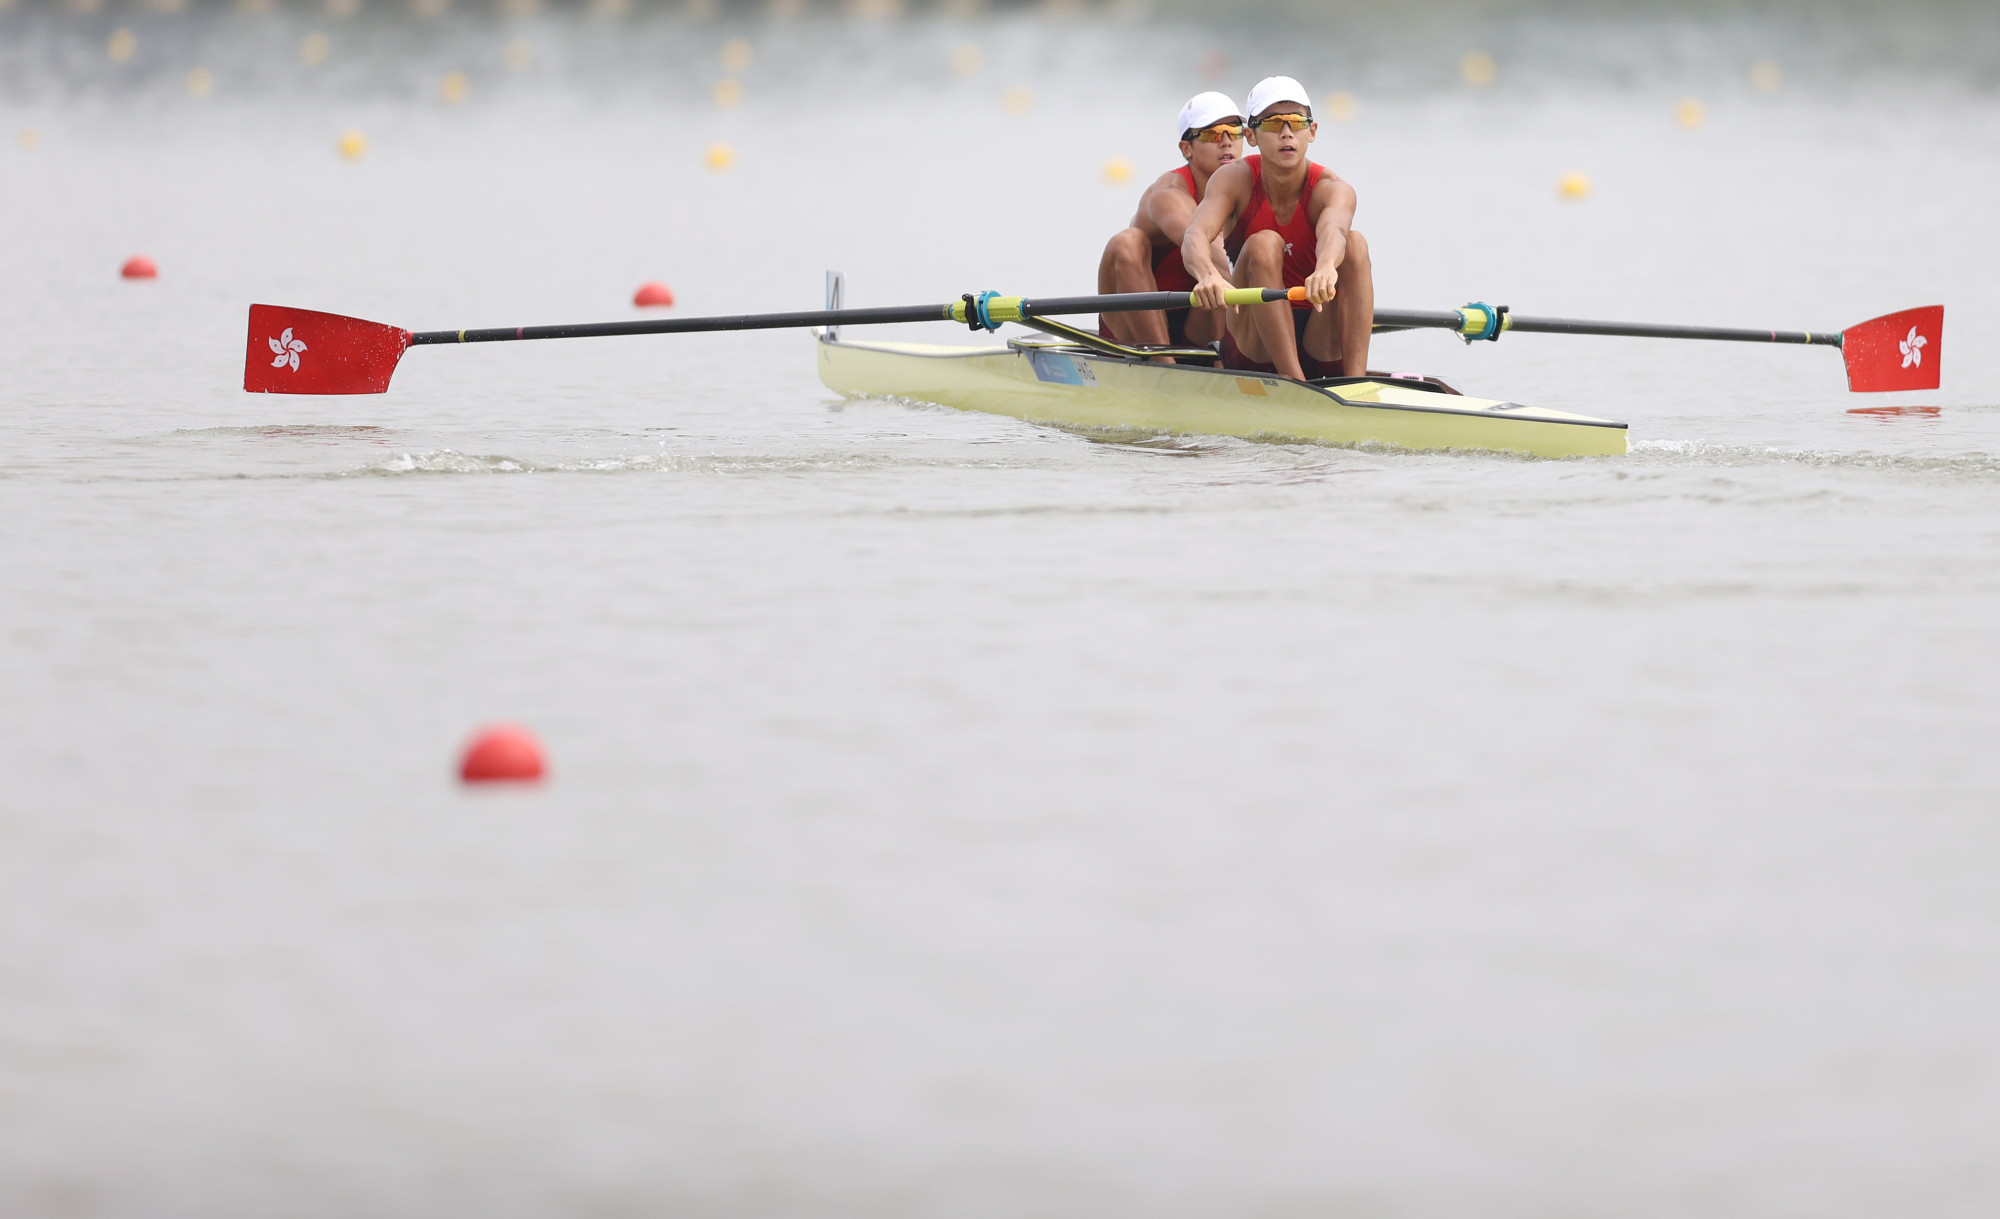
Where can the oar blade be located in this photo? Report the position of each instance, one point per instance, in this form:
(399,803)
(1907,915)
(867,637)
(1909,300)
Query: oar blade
(301,351)
(1896,351)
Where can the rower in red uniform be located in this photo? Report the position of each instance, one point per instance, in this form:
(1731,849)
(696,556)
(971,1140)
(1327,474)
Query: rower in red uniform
(1147,256)
(1289,225)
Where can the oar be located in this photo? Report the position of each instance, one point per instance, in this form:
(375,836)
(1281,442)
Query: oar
(1893,352)
(301,351)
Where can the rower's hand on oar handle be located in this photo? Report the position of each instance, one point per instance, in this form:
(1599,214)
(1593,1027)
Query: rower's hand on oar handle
(1211,292)
(1320,288)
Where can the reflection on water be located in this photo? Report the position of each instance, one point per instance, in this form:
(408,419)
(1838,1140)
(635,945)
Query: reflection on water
(1898,412)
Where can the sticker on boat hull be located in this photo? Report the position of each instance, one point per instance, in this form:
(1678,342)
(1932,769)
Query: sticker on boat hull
(1059,369)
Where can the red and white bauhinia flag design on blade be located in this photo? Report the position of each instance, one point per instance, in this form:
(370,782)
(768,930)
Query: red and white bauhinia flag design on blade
(1899,351)
(299,351)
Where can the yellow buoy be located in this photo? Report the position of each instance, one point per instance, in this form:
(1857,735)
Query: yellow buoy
(1478,68)
(727,93)
(1574,185)
(29,139)
(314,50)
(518,55)
(736,55)
(966,60)
(1018,100)
(122,45)
(719,157)
(1765,77)
(1339,107)
(1690,113)
(1116,171)
(353,145)
(200,82)
(453,88)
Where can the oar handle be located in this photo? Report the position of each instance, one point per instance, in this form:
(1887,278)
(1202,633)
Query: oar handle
(989,309)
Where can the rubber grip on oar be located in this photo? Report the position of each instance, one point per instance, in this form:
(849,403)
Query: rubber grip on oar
(993,307)
(1253,296)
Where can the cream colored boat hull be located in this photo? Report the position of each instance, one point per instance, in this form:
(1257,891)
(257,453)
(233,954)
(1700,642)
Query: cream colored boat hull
(1064,386)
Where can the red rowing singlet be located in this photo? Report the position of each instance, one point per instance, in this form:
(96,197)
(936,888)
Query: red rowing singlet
(1301,242)
(1170,274)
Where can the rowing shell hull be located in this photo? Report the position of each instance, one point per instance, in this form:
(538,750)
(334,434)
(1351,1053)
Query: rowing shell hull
(1068,388)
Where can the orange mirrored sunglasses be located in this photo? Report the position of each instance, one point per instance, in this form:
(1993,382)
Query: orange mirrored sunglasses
(1284,122)
(1219,132)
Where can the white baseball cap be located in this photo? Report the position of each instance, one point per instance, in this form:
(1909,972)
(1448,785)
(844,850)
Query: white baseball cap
(1203,110)
(1274,89)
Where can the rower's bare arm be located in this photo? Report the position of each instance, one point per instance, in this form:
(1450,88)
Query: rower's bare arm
(1169,207)
(1335,201)
(1228,191)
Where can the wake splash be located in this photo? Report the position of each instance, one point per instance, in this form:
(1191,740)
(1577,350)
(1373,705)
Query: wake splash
(442,461)
(1973,465)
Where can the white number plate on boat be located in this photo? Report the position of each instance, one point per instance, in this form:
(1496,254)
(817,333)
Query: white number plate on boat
(1061,369)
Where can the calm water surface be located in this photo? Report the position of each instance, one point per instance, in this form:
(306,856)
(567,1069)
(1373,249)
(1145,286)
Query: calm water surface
(956,817)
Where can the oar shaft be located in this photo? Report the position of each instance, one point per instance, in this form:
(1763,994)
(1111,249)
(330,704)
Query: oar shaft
(1418,319)
(1647,330)
(998,308)
(688,325)
(1472,321)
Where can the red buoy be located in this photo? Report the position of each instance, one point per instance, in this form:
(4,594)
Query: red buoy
(653,292)
(502,753)
(139,267)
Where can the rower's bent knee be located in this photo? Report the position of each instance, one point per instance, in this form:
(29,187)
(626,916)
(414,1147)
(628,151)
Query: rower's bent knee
(1128,247)
(1357,250)
(1264,250)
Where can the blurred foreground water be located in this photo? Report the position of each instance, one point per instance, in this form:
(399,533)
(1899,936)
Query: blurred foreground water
(952,816)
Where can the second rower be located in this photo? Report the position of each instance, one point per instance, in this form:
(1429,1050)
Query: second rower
(1146,257)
